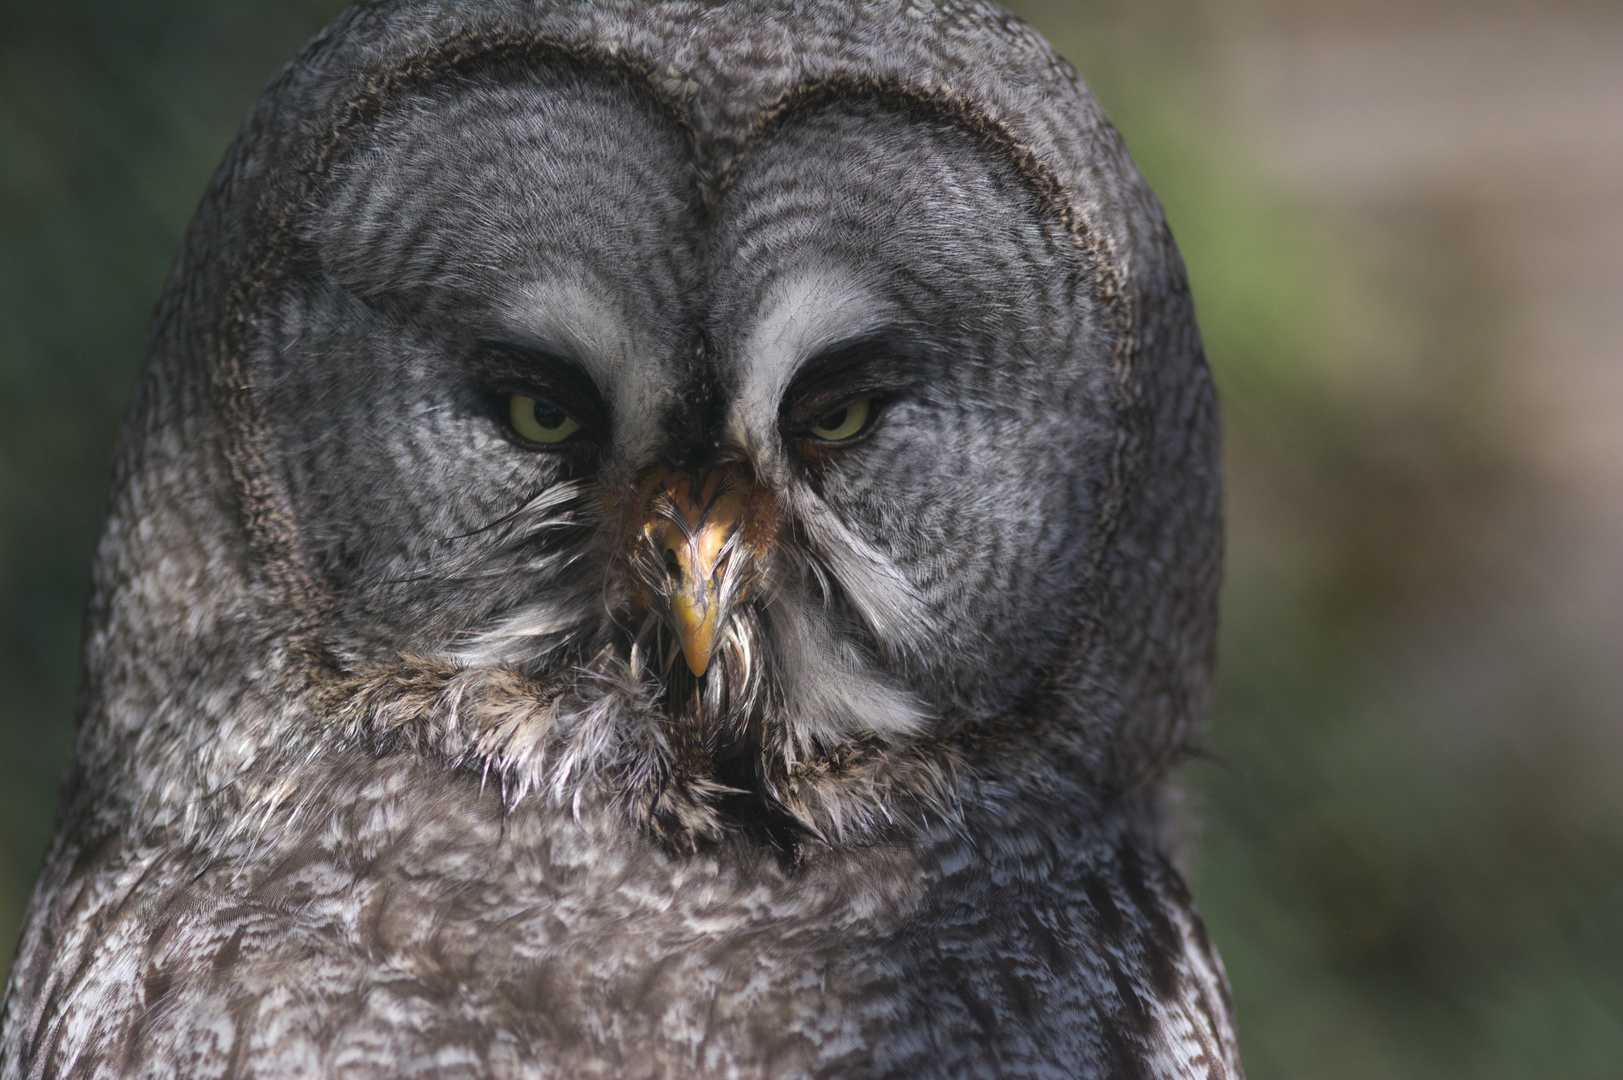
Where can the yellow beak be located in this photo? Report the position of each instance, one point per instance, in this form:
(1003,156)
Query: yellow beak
(696,544)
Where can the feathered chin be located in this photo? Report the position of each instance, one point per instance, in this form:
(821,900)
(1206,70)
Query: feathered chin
(580,695)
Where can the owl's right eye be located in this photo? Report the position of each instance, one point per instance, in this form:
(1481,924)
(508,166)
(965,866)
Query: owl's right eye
(536,420)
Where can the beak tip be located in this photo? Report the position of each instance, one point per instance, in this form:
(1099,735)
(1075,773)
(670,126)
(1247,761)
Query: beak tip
(695,546)
(698,664)
(696,630)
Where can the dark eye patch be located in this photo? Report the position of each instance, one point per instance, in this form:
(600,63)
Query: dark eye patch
(872,368)
(503,369)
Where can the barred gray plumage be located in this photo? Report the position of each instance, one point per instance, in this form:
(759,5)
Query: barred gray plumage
(657,539)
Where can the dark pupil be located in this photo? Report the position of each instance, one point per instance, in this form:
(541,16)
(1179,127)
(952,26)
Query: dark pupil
(548,416)
(834,420)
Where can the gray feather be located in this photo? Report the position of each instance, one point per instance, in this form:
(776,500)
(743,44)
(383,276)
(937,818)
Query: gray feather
(390,762)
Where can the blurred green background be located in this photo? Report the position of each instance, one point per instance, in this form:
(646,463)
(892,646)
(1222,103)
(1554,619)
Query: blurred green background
(1402,222)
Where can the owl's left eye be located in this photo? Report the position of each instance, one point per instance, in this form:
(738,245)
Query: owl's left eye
(539,421)
(844,423)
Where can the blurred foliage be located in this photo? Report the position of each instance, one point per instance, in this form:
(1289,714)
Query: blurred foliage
(1395,892)
(1393,897)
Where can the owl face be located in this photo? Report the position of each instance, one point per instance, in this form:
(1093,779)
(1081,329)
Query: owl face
(732,477)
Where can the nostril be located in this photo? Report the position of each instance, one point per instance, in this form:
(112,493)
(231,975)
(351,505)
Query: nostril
(673,565)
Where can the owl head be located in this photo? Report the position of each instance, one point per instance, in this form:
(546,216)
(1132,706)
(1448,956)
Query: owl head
(645,407)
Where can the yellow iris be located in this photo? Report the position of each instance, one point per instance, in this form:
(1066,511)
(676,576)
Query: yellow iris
(843,422)
(540,421)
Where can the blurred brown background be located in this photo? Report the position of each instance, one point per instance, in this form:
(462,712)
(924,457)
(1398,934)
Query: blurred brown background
(1404,224)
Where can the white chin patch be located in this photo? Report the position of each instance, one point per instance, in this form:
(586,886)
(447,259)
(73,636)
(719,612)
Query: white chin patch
(831,692)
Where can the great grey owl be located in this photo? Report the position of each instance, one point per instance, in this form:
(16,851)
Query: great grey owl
(656,540)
